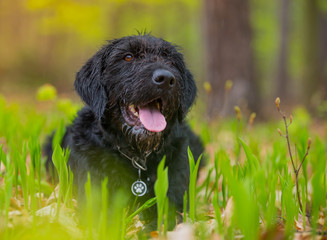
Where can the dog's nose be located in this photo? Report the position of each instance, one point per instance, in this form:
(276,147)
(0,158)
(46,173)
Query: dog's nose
(163,78)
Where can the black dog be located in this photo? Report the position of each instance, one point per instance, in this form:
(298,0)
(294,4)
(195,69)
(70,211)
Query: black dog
(137,90)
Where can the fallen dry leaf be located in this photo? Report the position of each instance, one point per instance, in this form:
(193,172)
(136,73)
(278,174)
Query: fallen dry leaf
(274,234)
(211,211)
(228,212)
(212,225)
(303,236)
(299,224)
(154,234)
(15,203)
(48,211)
(216,236)
(182,231)
(53,196)
(136,226)
(14,213)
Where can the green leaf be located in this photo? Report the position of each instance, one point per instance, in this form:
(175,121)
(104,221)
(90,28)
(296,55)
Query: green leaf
(161,189)
(46,92)
(192,185)
(149,203)
(59,134)
(190,159)
(253,162)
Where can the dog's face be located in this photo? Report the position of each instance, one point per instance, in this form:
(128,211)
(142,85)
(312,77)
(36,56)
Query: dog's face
(139,85)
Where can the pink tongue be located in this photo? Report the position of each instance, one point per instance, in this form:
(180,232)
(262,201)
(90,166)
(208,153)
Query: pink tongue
(151,118)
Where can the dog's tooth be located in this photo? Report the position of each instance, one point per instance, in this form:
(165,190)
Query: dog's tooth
(132,108)
(158,105)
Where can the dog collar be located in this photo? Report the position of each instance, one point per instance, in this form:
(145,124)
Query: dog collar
(139,187)
(138,163)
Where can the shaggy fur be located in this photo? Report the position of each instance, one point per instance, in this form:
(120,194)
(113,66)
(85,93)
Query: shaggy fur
(134,70)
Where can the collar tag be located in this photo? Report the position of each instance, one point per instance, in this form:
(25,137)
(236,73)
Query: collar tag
(139,188)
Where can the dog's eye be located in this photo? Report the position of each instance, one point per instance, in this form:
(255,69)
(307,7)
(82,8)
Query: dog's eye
(128,57)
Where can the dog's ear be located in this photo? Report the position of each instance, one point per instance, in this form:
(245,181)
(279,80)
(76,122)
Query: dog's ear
(88,84)
(188,95)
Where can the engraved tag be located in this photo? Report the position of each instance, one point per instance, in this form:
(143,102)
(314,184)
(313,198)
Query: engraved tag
(139,188)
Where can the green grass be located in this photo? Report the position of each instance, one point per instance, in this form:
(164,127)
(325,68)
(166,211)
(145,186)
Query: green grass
(245,190)
(161,189)
(194,167)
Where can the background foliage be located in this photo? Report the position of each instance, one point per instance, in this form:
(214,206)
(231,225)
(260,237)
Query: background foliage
(48,41)
(247,187)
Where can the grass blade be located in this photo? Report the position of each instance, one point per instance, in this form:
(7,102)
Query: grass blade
(161,189)
(192,186)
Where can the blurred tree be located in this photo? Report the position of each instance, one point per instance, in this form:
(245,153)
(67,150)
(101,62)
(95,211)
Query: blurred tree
(311,74)
(265,22)
(229,56)
(315,53)
(49,40)
(282,79)
(322,21)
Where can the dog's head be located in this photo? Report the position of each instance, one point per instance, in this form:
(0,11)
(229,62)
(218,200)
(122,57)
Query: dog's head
(140,84)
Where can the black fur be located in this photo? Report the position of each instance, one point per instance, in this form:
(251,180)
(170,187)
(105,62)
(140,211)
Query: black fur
(100,136)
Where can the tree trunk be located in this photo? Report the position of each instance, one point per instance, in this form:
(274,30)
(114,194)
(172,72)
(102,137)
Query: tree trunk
(323,54)
(229,56)
(311,69)
(282,81)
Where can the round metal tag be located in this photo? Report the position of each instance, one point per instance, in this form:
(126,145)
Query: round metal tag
(139,188)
